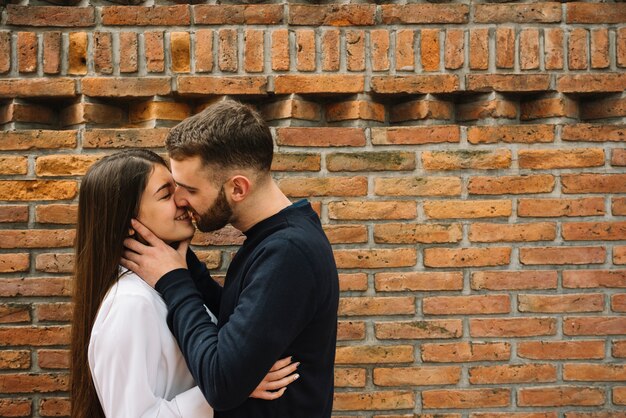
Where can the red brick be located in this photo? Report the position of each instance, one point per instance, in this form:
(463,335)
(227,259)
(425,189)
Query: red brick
(122,138)
(417,186)
(466,398)
(38,383)
(367,354)
(54,312)
(603,108)
(594,231)
(355,109)
(603,13)
(371,210)
(203,51)
(328,186)
(14,314)
(153,110)
(593,183)
(280,50)
(235,85)
(236,14)
(416,135)
(330,50)
(332,14)
(594,278)
(11,263)
(54,407)
(36,238)
(34,336)
(407,233)
(592,206)
(377,258)
(225,236)
(415,84)
(508,83)
(37,139)
(320,137)
(253,60)
(349,401)
(346,234)
(560,396)
(619,254)
(27,112)
(561,158)
(586,372)
(352,281)
(554,52)
(379,50)
(618,349)
(59,16)
(548,12)
(33,286)
(418,281)
(619,395)
(430,49)
(434,328)
(486,109)
(492,232)
(595,325)
(351,377)
(145,15)
(424,13)
(5,54)
(512,373)
(479,49)
(467,257)
(591,83)
(14,359)
(37,190)
(56,214)
(371,161)
(454,53)
(103,52)
(417,376)
(355,50)
(324,83)
(523,134)
(13,165)
(466,305)
(27,49)
(514,280)
(505,47)
(291,108)
(466,159)
(618,204)
(19,213)
(51,52)
(600,48)
(180,44)
(561,303)
(592,133)
(512,327)
(618,303)
(539,183)
(465,352)
(620,47)
(458,209)
(350,330)
(578,55)
(421,109)
(91,113)
(125,87)
(553,107)
(55,262)
(405,50)
(227,50)
(562,255)
(529,49)
(561,350)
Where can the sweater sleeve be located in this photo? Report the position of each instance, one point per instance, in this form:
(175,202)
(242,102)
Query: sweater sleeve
(275,305)
(210,290)
(124,358)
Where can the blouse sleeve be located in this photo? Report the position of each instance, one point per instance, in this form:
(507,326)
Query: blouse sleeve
(124,356)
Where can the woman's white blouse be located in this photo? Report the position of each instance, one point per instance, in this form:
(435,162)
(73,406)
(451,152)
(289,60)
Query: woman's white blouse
(137,367)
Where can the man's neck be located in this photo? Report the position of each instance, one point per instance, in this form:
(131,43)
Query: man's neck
(266,202)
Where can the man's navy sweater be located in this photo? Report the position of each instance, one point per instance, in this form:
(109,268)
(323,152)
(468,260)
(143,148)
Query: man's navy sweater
(279,299)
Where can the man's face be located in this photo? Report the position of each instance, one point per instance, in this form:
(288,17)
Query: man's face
(202,197)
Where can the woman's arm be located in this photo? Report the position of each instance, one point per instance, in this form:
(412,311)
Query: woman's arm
(124,354)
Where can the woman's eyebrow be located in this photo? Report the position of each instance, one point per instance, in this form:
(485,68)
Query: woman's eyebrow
(162,187)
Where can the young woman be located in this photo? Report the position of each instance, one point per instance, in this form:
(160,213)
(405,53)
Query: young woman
(125,362)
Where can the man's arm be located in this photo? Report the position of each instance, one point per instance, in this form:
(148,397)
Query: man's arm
(276,303)
(210,290)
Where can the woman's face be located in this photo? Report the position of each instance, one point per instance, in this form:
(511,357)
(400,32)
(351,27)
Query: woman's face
(158,211)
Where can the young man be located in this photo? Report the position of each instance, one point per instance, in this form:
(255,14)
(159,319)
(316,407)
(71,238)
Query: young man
(280,294)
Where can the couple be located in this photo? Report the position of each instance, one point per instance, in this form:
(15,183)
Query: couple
(232,351)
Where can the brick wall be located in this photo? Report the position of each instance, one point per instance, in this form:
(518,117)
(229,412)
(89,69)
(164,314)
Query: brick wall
(467,160)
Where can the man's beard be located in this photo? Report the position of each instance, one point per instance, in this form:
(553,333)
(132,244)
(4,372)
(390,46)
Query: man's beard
(217,216)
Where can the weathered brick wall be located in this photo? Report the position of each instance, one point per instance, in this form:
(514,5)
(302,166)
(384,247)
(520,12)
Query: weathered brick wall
(467,160)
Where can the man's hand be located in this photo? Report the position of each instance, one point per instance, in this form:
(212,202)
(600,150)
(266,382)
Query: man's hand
(153,261)
(275,383)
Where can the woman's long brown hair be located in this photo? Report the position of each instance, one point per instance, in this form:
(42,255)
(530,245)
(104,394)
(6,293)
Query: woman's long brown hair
(109,197)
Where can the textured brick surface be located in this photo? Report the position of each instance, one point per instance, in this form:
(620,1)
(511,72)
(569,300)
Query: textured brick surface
(466,159)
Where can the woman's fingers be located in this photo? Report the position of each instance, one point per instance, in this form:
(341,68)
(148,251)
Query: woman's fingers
(279,374)
(281,363)
(282,383)
(268,396)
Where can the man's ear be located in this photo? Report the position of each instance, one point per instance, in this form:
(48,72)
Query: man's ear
(239,187)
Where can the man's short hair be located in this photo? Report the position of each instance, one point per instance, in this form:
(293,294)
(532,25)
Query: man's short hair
(227,134)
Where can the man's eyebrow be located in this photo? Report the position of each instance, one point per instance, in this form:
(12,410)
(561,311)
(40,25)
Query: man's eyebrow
(186,187)
(165,185)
